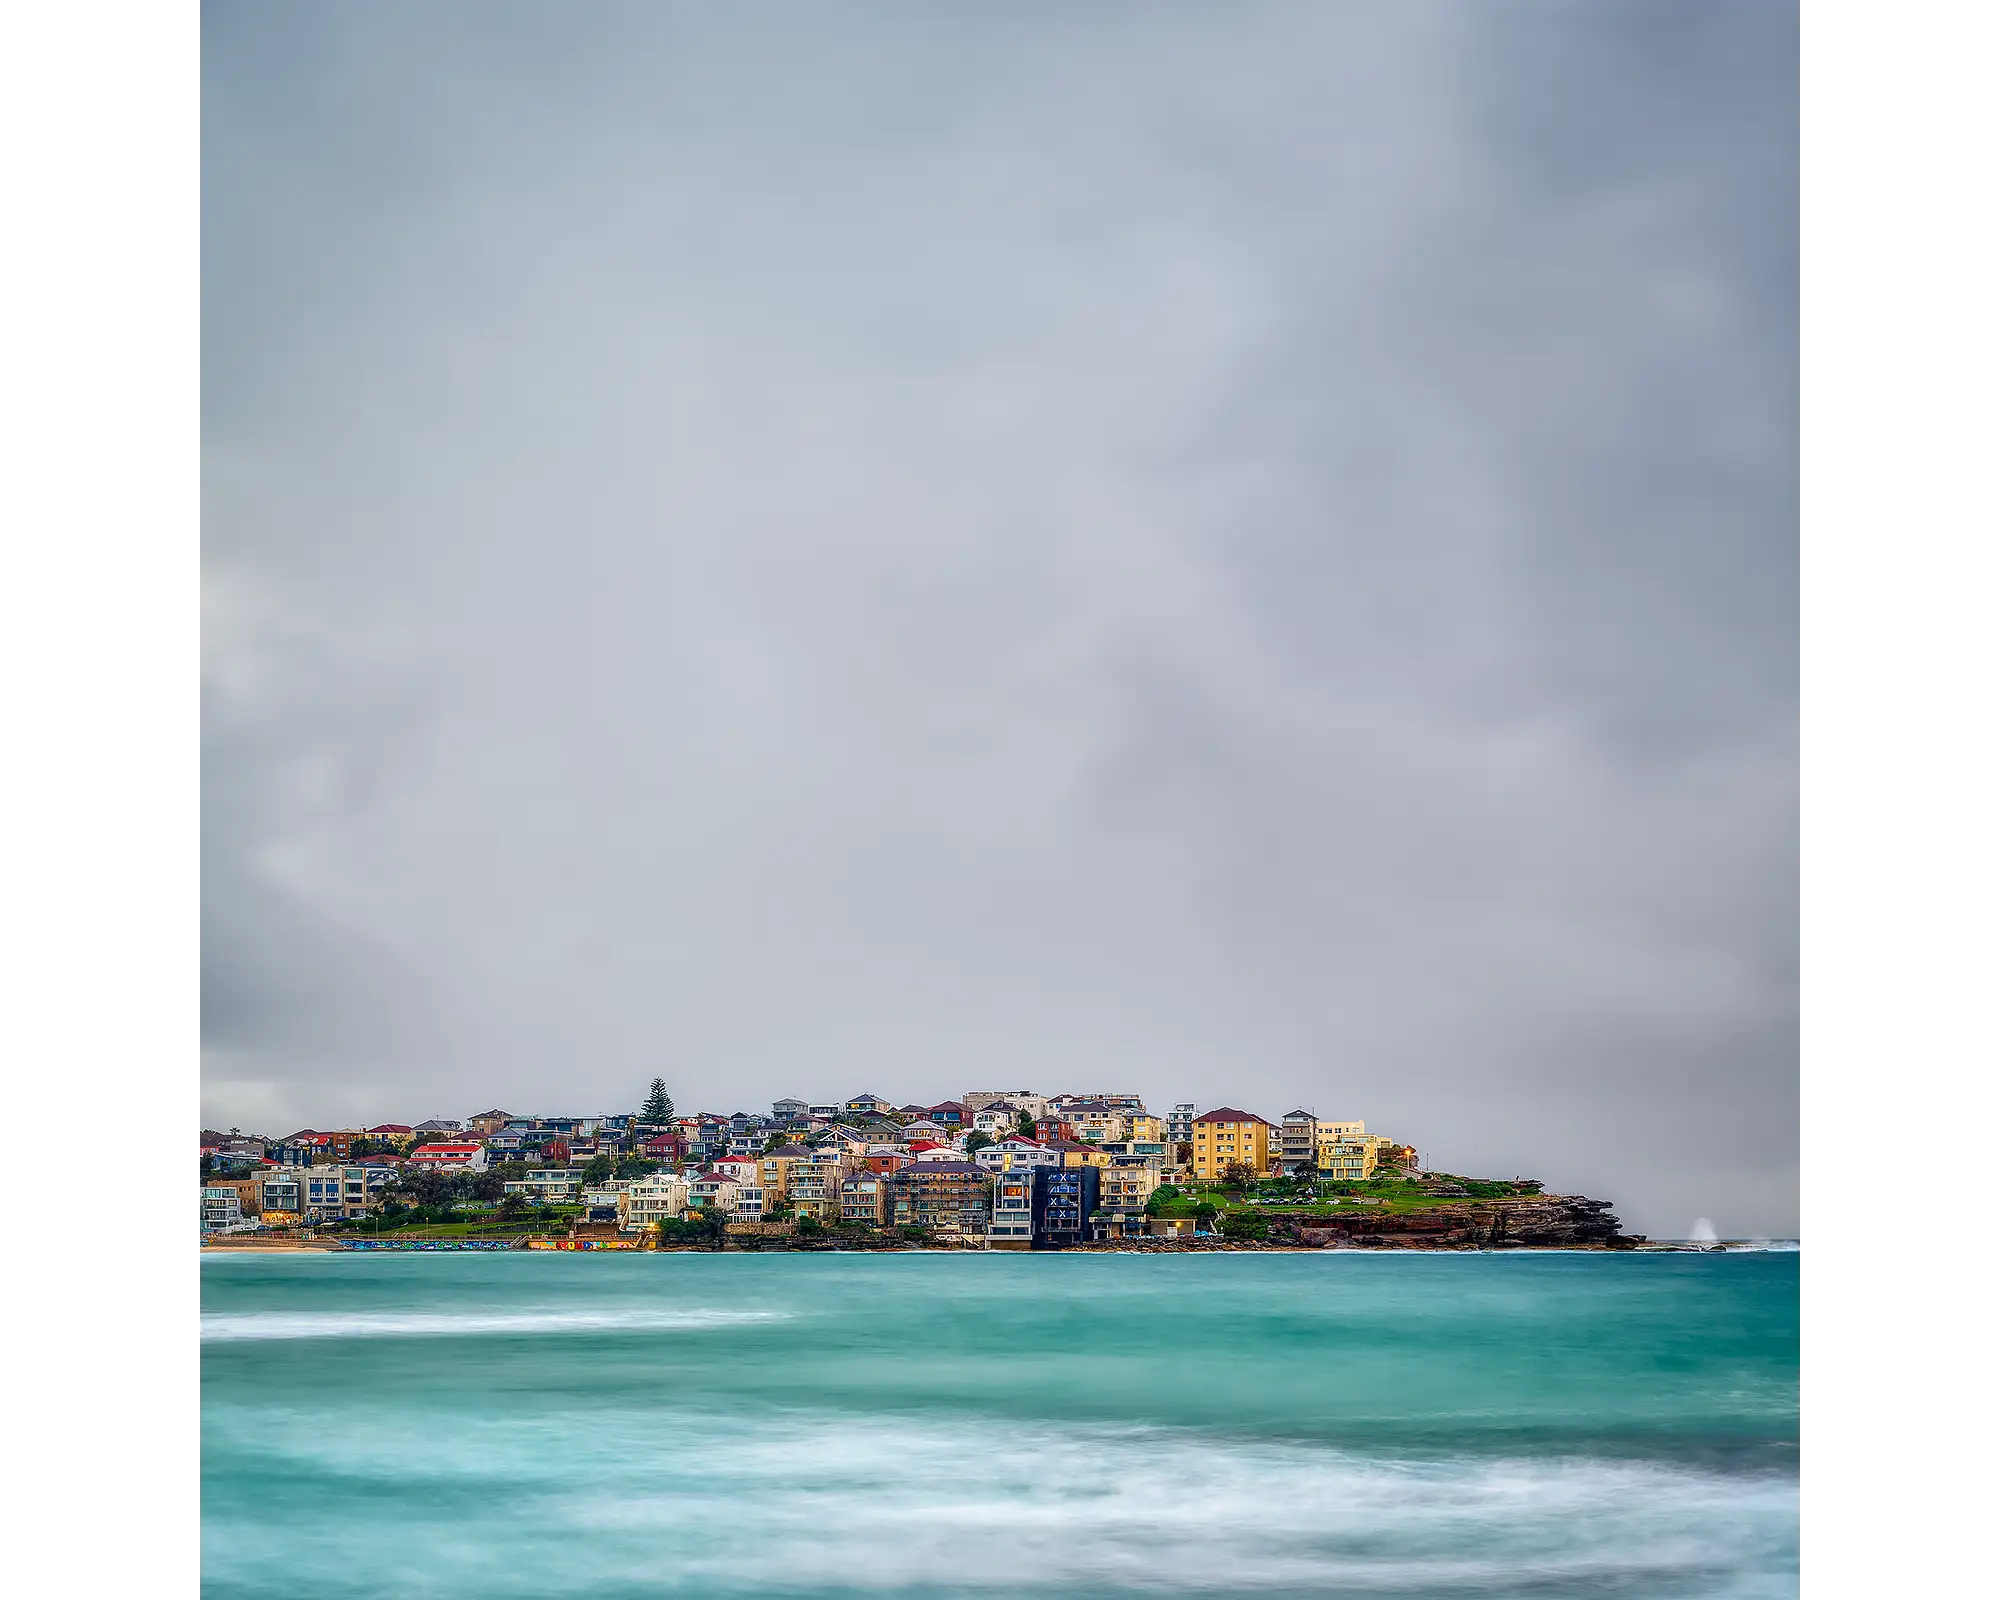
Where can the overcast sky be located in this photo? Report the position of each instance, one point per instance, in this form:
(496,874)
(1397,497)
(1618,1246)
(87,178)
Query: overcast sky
(1241,553)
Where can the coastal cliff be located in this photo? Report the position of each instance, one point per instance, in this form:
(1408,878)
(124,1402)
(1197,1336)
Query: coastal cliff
(1525,1222)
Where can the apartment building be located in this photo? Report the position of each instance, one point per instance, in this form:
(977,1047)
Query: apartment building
(864,1198)
(1354,1157)
(815,1187)
(1180,1123)
(1126,1185)
(643,1201)
(220,1208)
(1227,1135)
(775,1171)
(1012,1226)
(944,1196)
(1022,1099)
(1064,1199)
(282,1195)
(547,1186)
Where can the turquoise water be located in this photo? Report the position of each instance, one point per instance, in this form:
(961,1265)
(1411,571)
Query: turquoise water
(914,1424)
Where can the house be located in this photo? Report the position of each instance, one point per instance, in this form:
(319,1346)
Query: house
(996,1120)
(438,1125)
(1017,1155)
(390,1130)
(490,1122)
(948,1197)
(1064,1199)
(826,1113)
(746,1170)
(663,1147)
(1012,1224)
(885,1158)
(600,1200)
(1075,1153)
(923,1129)
(869,1105)
(713,1189)
(643,1201)
(1095,1122)
(456,1156)
(750,1205)
(1054,1127)
(949,1114)
(864,1198)
(1180,1124)
(1226,1135)
(548,1186)
(789,1110)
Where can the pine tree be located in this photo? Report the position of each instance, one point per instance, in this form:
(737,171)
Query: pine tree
(659,1106)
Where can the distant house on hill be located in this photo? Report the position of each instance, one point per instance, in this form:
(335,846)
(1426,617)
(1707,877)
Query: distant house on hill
(453,1156)
(490,1122)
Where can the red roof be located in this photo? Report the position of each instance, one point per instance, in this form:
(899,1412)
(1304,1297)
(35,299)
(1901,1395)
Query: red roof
(390,1127)
(1230,1114)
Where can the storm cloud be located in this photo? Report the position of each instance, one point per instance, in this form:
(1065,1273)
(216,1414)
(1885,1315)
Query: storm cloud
(1243,553)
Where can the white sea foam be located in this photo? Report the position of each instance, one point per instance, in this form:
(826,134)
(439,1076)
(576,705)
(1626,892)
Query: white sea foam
(850,1506)
(236,1325)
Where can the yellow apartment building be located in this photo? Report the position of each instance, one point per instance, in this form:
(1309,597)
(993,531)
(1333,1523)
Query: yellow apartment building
(776,1172)
(1354,1157)
(1225,1135)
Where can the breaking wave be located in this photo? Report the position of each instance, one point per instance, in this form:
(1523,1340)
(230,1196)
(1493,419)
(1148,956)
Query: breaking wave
(238,1325)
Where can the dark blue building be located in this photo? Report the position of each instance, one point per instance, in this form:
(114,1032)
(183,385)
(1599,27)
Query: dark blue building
(1064,1200)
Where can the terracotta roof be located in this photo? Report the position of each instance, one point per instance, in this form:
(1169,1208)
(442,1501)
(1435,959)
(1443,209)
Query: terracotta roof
(1230,1114)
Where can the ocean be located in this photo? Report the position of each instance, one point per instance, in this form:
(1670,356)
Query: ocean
(1335,1423)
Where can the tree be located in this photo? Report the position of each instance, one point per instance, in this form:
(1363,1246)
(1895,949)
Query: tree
(513,1207)
(659,1106)
(1183,1153)
(1025,1127)
(1241,1225)
(1204,1213)
(975,1142)
(636,1167)
(597,1170)
(1236,1174)
(1158,1200)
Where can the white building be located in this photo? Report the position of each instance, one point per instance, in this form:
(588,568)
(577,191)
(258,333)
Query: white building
(1017,1155)
(455,1156)
(643,1201)
(221,1210)
(1013,1224)
(548,1186)
(979,1099)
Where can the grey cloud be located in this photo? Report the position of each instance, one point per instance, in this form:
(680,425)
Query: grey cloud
(1247,552)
